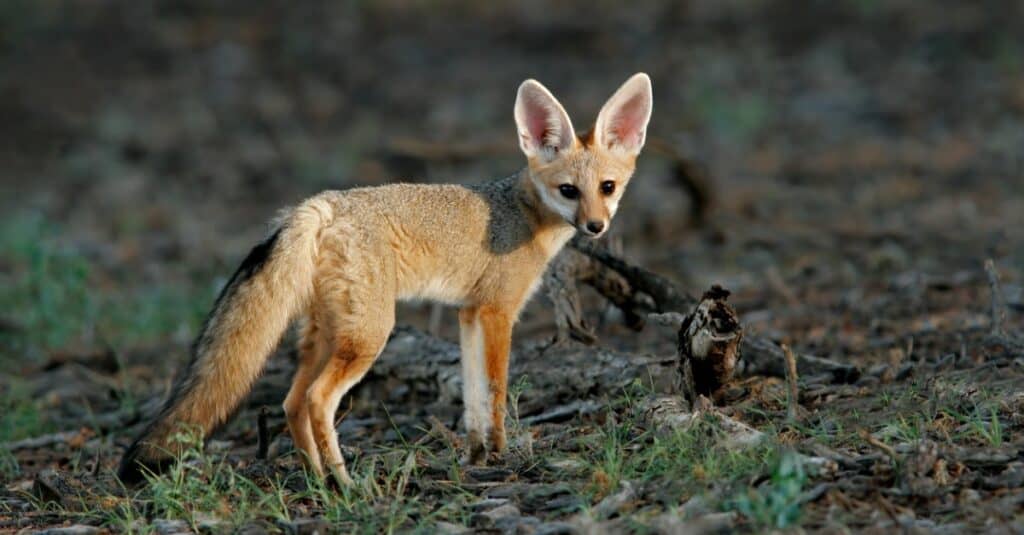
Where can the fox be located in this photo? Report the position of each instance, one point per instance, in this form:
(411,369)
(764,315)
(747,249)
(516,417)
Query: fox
(340,261)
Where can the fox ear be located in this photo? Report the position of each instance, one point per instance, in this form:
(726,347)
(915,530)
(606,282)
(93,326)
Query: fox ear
(544,127)
(622,123)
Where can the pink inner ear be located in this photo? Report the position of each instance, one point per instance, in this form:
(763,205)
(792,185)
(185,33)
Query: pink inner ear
(627,124)
(539,123)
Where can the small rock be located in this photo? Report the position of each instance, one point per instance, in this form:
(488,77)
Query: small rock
(695,506)
(614,503)
(165,526)
(487,504)
(512,490)
(447,528)
(305,526)
(49,486)
(969,496)
(489,474)
(568,465)
(563,503)
(219,446)
(517,524)
(77,529)
(673,522)
(254,528)
(541,496)
(207,523)
(490,519)
(556,528)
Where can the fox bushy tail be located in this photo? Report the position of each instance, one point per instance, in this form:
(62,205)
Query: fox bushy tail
(272,285)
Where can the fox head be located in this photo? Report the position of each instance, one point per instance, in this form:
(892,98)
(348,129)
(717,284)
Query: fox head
(581,179)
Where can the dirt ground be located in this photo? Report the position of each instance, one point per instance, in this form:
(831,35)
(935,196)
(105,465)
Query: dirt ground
(859,163)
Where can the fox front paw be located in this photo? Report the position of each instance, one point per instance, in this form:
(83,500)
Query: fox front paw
(497,441)
(477,449)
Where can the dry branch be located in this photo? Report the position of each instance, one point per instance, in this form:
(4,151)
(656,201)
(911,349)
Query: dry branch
(560,287)
(43,441)
(762,356)
(671,414)
(263,434)
(666,297)
(638,293)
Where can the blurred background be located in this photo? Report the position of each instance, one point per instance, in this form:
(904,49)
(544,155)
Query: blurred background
(844,150)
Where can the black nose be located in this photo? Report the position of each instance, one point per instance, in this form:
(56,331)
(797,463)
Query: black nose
(595,226)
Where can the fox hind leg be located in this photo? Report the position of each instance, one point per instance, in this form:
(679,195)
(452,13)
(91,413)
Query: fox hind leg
(313,350)
(360,325)
(343,370)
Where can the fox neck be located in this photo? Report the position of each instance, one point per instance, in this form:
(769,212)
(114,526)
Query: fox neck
(551,230)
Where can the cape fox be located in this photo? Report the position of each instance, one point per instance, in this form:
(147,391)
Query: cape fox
(341,259)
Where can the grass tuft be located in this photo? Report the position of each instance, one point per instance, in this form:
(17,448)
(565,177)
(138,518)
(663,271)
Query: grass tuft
(776,504)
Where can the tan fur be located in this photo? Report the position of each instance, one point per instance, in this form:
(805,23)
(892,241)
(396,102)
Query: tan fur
(344,258)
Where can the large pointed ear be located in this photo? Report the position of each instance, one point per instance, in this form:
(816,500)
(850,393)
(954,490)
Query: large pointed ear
(544,127)
(622,124)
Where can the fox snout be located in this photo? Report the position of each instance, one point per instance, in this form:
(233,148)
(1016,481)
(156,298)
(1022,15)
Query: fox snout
(592,216)
(592,228)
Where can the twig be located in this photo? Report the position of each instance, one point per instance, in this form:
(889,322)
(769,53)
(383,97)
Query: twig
(40,441)
(438,427)
(998,306)
(998,335)
(563,412)
(762,356)
(666,296)
(667,319)
(791,379)
(337,421)
(881,446)
(96,463)
(263,434)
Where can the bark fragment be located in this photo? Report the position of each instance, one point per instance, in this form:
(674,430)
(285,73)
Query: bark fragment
(709,345)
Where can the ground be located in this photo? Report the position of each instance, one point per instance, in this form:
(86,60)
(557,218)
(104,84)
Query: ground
(863,160)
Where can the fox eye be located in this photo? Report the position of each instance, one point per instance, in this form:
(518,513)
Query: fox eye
(569,191)
(608,187)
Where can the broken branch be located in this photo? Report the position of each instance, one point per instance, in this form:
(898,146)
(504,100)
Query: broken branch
(638,292)
(791,380)
(263,434)
(998,307)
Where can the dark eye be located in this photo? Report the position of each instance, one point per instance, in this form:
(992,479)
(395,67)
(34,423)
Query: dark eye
(569,191)
(608,187)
